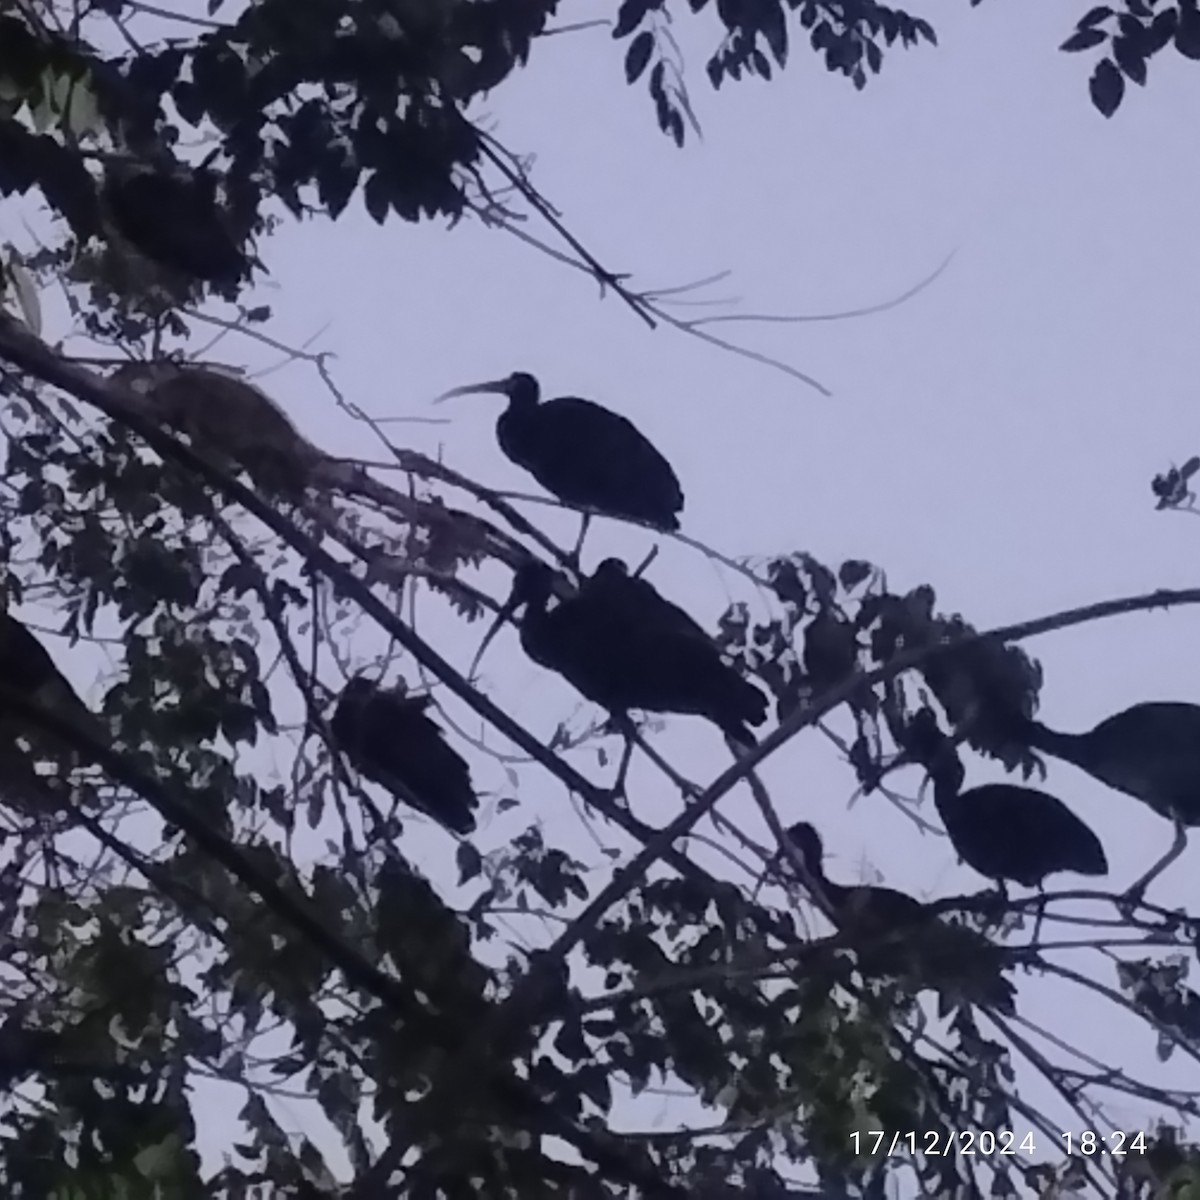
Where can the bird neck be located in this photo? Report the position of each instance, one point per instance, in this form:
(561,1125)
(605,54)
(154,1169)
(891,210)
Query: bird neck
(835,893)
(947,790)
(521,405)
(1071,747)
(535,613)
(838,894)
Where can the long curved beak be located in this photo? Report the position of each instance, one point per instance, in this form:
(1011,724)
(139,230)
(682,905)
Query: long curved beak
(497,387)
(509,607)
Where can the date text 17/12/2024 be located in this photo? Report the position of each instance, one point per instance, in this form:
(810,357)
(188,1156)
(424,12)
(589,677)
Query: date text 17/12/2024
(1003,1141)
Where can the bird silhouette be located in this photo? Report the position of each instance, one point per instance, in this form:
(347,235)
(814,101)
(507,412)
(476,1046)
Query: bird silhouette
(169,213)
(30,683)
(640,602)
(237,424)
(390,740)
(896,934)
(868,908)
(1150,751)
(583,454)
(622,663)
(1004,831)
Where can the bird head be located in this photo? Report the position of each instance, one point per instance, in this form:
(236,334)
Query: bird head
(358,689)
(807,843)
(520,387)
(611,568)
(533,584)
(803,839)
(923,740)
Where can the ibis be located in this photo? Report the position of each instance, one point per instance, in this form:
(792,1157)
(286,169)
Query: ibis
(389,739)
(583,454)
(621,663)
(1150,751)
(912,935)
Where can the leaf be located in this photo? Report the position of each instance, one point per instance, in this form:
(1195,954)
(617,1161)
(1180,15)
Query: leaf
(638,55)
(1159,32)
(1129,59)
(1084,39)
(336,181)
(470,862)
(1187,33)
(629,16)
(238,578)
(774,29)
(1094,16)
(25,291)
(1107,87)
(852,572)
(159,1161)
(375,197)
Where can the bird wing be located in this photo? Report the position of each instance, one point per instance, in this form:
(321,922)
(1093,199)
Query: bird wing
(1151,735)
(671,616)
(1057,824)
(27,668)
(397,743)
(628,598)
(1041,825)
(685,674)
(883,909)
(442,759)
(618,448)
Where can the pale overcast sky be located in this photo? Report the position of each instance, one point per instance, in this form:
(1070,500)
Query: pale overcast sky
(995,436)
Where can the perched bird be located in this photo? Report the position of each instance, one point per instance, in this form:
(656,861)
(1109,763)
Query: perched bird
(1004,831)
(29,676)
(641,602)
(914,939)
(583,454)
(1150,751)
(869,909)
(237,424)
(170,214)
(28,671)
(620,663)
(390,740)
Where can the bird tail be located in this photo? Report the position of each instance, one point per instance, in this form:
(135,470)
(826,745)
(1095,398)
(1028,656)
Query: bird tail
(737,704)
(752,703)
(460,819)
(964,965)
(737,732)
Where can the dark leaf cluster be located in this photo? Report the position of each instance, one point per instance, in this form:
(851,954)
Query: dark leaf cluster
(1132,33)
(851,39)
(833,623)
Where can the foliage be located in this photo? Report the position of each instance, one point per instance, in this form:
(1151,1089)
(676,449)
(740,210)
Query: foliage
(1131,35)
(209,895)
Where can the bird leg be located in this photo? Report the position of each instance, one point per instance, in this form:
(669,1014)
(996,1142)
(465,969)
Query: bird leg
(1134,894)
(1041,911)
(618,789)
(583,528)
(993,903)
